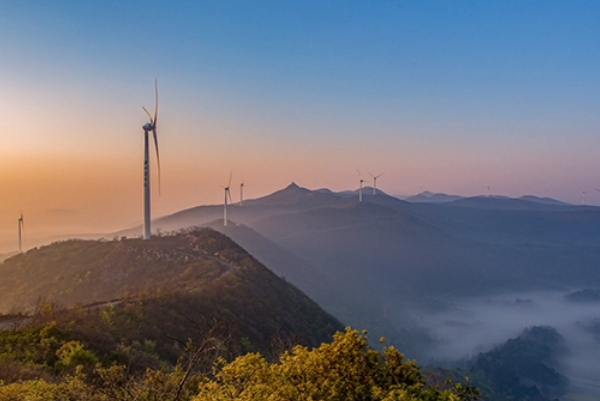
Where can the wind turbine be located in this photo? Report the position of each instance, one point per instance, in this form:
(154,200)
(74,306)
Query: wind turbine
(360,186)
(375,182)
(242,191)
(227,194)
(583,197)
(150,127)
(21,229)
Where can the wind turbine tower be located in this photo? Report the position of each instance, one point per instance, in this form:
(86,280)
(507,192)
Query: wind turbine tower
(150,127)
(360,187)
(375,182)
(227,194)
(242,191)
(21,229)
(583,198)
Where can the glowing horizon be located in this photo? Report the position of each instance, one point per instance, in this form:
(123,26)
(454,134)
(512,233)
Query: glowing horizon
(437,97)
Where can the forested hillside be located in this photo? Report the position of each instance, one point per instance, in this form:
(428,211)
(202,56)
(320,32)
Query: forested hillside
(527,367)
(173,285)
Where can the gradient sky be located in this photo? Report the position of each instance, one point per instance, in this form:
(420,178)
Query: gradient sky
(446,96)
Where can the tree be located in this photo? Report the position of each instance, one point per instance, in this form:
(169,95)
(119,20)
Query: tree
(346,369)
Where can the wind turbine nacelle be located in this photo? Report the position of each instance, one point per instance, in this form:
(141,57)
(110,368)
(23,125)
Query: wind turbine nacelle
(148,127)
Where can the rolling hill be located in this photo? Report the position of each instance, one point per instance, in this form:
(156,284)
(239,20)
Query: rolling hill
(195,275)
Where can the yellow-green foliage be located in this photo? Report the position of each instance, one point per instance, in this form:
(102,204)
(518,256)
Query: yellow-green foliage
(73,354)
(70,388)
(346,369)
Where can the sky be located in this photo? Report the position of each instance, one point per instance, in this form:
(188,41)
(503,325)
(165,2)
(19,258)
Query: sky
(445,96)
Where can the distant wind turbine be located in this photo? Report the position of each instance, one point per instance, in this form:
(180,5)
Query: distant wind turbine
(583,197)
(227,194)
(21,229)
(150,126)
(375,182)
(242,191)
(360,186)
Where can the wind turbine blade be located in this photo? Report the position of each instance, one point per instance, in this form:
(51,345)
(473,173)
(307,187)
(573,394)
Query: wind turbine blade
(358,173)
(229,194)
(379,175)
(157,155)
(372,175)
(230,176)
(155,101)
(148,114)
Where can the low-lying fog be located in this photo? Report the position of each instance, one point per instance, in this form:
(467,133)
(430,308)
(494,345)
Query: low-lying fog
(467,326)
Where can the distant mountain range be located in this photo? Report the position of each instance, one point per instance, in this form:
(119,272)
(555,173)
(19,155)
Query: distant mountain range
(429,197)
(375,264)
(380,263)
(501,201)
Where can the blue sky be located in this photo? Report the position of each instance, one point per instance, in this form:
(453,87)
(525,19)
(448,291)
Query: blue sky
(448,96)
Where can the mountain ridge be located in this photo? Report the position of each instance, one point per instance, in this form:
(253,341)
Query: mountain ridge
(194,261)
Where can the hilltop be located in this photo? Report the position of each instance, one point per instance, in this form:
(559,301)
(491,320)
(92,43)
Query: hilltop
(196,274)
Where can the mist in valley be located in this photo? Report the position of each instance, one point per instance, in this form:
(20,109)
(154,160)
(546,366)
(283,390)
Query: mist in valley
(462,327)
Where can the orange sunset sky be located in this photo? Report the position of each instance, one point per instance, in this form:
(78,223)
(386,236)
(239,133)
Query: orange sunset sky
(436,97)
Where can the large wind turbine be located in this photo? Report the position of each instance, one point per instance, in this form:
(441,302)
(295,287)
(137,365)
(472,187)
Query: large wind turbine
(150,127)
(360,186)
(375,182)
(227,194)
(21,229)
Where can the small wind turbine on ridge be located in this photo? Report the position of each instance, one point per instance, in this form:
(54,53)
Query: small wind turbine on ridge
(150,127)
(227,194)
(242,191)
(360,187)
(21,229)
(375,182)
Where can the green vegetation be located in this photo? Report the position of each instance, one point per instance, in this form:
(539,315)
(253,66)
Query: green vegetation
(346,369)
(42,363)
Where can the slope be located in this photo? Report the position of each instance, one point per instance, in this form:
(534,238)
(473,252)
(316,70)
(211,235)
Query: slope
(199,274)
